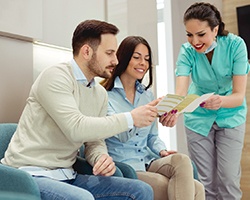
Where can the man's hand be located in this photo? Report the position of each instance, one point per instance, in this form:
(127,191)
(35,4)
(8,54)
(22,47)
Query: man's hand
(144,115)
(104,166)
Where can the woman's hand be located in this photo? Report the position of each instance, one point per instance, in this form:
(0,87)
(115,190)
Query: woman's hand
(213,103)
(164,153)
(169,119)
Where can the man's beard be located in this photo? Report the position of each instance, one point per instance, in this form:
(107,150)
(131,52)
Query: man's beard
(96,70)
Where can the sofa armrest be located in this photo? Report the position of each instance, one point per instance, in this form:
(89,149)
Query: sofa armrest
(122,169)
(16,180)
(127,170)
(81,166)
(17,196)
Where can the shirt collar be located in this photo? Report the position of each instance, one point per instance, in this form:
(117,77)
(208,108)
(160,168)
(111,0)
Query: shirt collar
(80,77)
(139,87)
(118,83)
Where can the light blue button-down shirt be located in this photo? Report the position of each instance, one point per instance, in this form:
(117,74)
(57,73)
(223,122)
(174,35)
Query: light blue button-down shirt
(80,77)
(131,146)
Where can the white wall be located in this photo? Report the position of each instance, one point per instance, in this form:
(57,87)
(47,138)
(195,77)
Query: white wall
(16,68)
(134,19)
(21,19)
(60,17)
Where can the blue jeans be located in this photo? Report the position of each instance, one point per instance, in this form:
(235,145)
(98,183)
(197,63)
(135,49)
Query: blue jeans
(90,187)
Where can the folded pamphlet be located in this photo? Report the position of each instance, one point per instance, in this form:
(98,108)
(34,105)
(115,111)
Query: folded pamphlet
(181,103)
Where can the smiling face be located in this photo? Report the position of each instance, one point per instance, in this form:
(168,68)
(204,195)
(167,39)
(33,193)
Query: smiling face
(199,34)
(138,64)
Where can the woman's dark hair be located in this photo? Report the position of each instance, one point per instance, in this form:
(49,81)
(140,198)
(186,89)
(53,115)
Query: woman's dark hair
(89,32)
(124,54)
(206,12)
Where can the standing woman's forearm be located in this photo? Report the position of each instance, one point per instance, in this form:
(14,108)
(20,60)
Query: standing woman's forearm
(238,94)
(182,83)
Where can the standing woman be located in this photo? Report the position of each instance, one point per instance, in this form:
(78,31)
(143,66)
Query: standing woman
(172,173)
(217,62)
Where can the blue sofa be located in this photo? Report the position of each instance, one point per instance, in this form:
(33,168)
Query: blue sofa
(17,184)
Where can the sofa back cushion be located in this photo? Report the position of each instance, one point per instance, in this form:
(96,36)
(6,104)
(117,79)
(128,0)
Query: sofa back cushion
(6,132)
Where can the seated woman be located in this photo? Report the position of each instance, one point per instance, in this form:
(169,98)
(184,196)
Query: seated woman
(171,176)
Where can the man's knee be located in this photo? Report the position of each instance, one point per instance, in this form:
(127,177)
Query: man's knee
(143,190)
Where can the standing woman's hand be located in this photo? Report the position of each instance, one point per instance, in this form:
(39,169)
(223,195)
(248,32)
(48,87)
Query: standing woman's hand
(212,103)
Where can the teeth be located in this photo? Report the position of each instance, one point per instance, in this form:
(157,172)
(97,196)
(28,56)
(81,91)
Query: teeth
(198,45)
(140,70)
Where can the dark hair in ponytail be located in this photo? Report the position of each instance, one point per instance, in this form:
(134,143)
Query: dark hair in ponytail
(206,12)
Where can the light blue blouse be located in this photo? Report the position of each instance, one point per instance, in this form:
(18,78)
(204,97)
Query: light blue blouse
(229,59)
(131,146)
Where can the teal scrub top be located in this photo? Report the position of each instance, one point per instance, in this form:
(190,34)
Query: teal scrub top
(229,59)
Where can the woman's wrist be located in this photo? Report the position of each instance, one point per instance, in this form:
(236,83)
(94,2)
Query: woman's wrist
(162,151)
